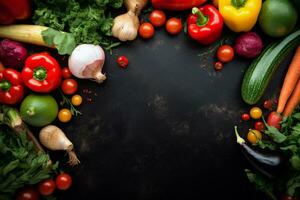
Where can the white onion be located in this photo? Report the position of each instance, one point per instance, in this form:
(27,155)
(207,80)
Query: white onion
(86,62)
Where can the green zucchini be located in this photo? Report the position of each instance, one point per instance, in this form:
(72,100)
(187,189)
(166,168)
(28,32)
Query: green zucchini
(261,70)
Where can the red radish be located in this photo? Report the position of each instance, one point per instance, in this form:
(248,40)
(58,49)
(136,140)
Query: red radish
(274,120)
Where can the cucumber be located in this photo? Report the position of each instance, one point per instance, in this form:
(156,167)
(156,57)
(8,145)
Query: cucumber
(261,70)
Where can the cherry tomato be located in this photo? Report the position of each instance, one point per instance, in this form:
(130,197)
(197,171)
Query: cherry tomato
(64,115)
(218,66)
(122,61)
(46,187)
(157,18)
(259,126)
(69,86)
(76,100)
(63,181)
(255,113)
(268,104)
(274,119)
(254,136)
(174,26)
(225,53)
(146,30)
(66,73)
(28,193)
(245,117)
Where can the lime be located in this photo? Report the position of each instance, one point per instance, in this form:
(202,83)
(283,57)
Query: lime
(39,110)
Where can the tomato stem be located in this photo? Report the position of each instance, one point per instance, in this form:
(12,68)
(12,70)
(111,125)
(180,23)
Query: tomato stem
(40,73)
(5,85)
(202,19)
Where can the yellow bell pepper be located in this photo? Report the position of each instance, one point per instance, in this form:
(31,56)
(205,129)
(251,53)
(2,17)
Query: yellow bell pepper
(240,15)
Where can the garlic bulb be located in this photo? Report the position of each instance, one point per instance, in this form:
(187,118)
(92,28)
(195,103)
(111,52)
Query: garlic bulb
(86,62)
(126,26)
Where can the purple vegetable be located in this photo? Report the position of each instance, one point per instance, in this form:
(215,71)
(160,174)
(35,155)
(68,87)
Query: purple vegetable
(12,54)
(248,45)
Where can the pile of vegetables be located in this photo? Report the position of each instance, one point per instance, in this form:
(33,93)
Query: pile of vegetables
(84,29)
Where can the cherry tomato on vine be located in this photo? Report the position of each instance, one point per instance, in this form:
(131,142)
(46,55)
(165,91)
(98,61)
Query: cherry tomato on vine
(259,126)
(255,113)
(254,136)
(157,18)
(245,117)
(63,181)
(218,66)
(64,115)
(146,30)
(225,53)
(69,86)
(76,100)
(268,104)
(46,187)
(174,26)
(28,193)
(122,61)
(66,73)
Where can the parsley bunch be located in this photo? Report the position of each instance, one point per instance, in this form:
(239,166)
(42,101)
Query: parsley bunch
(88,20)
(20,163)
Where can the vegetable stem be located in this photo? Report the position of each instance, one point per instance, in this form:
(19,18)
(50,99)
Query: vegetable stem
(11,117)
(239,139)
(201,18)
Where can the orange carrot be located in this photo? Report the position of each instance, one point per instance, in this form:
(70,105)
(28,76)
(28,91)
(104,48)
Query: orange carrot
(290,81)
(293,101)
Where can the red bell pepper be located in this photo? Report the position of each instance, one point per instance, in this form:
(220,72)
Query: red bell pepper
(41,73)
(11,88)
(176,4)
(11,10)
(205,24)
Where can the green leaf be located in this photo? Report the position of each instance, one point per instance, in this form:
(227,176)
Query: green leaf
(296,116)
(293,148)
(63,42)
(275,134)
(295,161)
(261,183)
(264,144)
(293,184)
(10,167)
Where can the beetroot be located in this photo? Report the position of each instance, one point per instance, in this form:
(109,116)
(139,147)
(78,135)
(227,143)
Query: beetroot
(248,45)
(12,54)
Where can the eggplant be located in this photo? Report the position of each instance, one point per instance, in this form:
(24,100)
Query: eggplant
(268,163)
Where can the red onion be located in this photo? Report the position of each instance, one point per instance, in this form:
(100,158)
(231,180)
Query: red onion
(12,54)
(248,45)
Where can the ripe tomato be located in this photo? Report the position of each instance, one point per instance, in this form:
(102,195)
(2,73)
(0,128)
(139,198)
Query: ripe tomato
(255,112)
(225,53)
(245,117)
(157,18)
(28,193)
(174,26)
(63,181)
(259,126)
(64,115)
(254,136)
(46,187)
(122,61)
(76,100)
(66,73)
(218,66)
(69,86)
(146,30)
(268,104)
